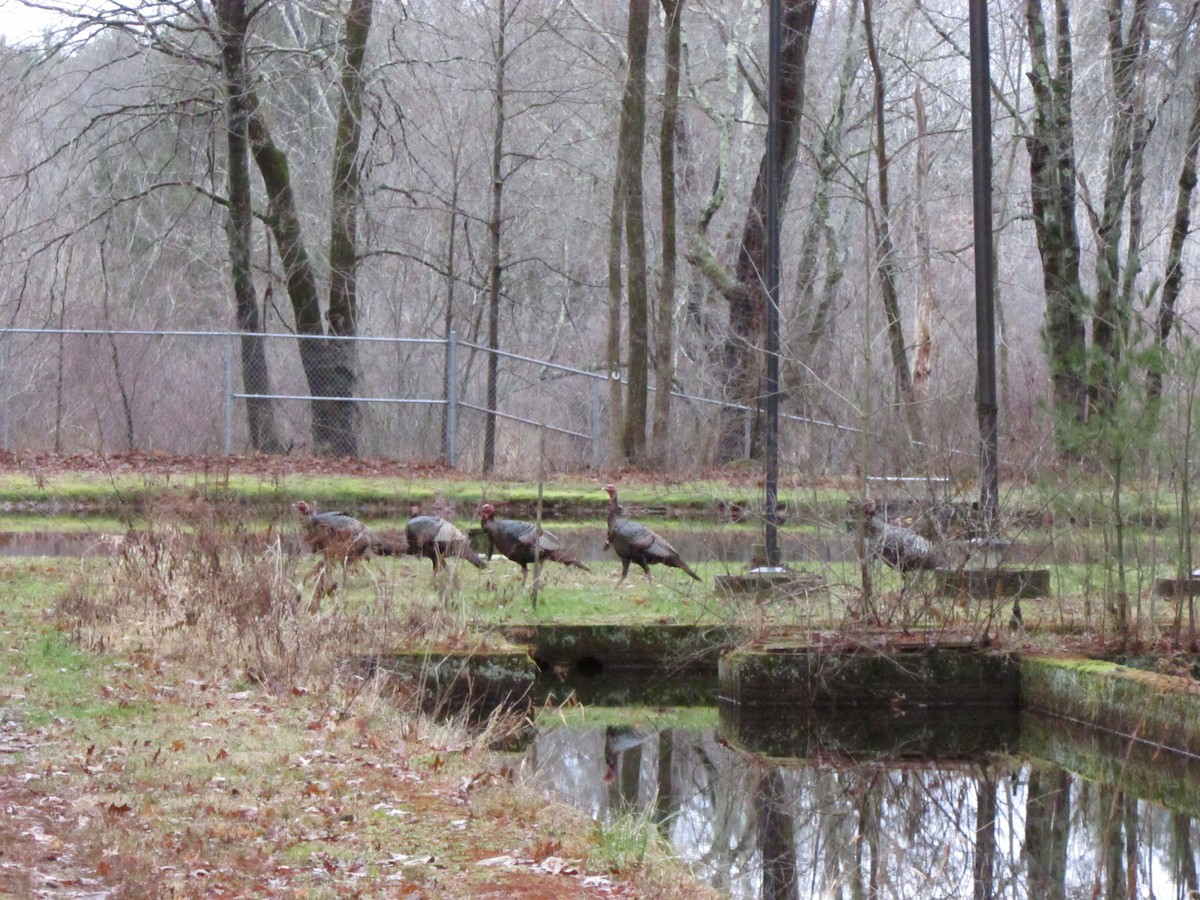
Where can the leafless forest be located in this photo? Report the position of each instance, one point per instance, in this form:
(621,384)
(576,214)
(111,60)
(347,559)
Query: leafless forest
(581,183)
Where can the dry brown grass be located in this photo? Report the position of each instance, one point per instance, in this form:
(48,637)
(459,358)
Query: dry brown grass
(239,754)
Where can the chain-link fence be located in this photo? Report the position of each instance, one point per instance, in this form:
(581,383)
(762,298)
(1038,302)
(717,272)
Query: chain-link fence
(189,392)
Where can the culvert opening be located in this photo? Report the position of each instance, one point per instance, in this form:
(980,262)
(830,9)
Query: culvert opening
(589,666)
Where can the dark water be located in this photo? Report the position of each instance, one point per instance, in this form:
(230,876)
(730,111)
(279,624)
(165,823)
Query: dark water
(54,543)
(1011,823)
(694,542)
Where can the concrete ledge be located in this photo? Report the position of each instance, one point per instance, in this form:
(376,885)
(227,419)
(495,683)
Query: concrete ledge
(1177,587)
(774,585)
(917,734)
(889,678)
(452,680)
(1145,770)
(986,584)
(1160,709)
(592,649)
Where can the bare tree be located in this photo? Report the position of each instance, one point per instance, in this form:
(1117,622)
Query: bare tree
(232,24)
(1110,319)
(495,222)
(885,250)
(665,324)
(744,289)
(927,299)
(1052,172)
(632,138)
(1173,283)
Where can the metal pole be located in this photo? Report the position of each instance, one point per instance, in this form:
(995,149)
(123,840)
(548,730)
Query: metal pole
(451,420)
(774,184)
(985,319)
(537,532)
(597,428)
(5,390)
(229,390)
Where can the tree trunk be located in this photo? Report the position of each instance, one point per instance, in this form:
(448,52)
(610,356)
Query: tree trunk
(885,251)
(665,324)
(746,294)
(328,364)
(1173,282)
(816,313)
(448,374)
(260,413)
(493,367)
(1052,196)
(616,403)
(927,300)
(632,137)
(345,196)
(1110,318)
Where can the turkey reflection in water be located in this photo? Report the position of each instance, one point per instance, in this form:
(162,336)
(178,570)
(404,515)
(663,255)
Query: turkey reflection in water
(998,825)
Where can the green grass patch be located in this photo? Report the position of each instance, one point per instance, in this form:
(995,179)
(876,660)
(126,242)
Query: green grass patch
(687,718)
(60,681)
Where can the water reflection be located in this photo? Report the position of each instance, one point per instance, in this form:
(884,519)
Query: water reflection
(700,542)
(995,827)
(55,543)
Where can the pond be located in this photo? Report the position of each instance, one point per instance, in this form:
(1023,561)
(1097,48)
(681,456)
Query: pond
(55,543)
(1015,822)
(694,541)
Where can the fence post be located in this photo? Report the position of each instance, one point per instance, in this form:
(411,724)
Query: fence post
(597,429)
(5,389)
(749,432)
(229,350)
(451,429)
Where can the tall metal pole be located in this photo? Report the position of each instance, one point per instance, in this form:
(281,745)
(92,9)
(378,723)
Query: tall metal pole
(230,350)
(985,313)
(774,179)
(450,420)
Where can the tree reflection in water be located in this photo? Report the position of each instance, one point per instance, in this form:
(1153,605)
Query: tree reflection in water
(998,827)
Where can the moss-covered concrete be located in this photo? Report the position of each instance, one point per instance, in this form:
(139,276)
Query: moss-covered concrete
(862,735)
(987,584)
(592,649)
(1162,709)
(1168,779)
(452,680)
(896,679)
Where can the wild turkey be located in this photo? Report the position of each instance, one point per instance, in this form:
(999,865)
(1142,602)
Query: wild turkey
(338,537)
(519,540)
(901,548)
(436,539)
(634,542)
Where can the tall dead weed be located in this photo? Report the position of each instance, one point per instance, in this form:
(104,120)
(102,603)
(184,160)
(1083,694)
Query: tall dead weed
(200,586)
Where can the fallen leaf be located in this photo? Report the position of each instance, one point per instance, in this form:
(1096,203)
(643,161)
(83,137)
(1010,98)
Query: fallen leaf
(505,860)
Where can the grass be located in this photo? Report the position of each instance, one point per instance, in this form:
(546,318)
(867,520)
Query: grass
(207,719)
(204,724)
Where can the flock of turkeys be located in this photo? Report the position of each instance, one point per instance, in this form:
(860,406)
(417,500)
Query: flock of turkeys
(339,537)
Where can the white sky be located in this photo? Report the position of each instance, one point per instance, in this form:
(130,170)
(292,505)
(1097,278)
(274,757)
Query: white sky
(19,23)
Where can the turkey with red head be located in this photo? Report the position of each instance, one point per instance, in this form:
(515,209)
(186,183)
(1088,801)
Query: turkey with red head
(635,543)
(521,543)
